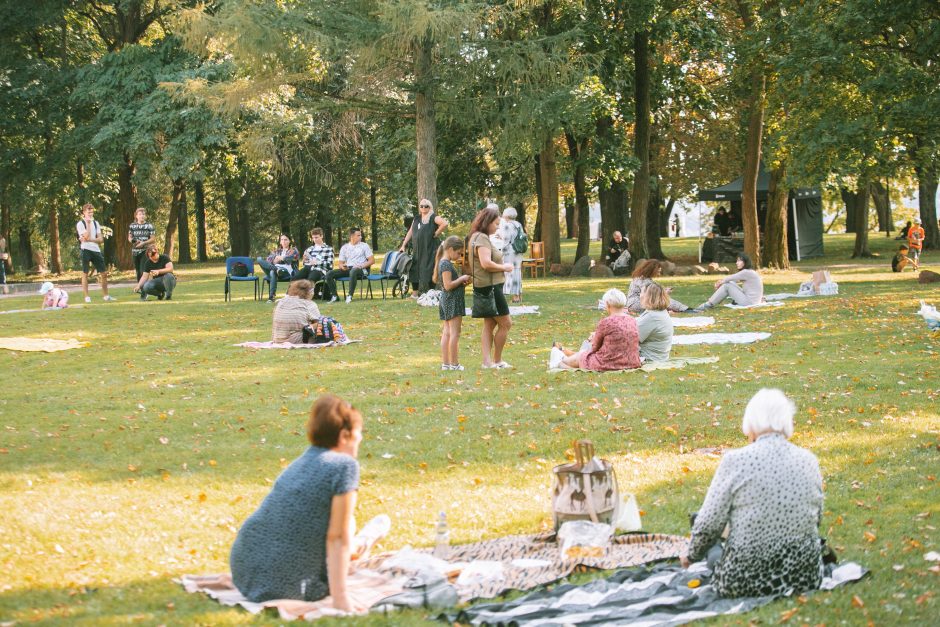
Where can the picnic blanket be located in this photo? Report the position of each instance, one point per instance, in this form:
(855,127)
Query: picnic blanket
(526,561)
(288,345)
(663,596)
(363,587)
(675,362)
(692,321)
(763,303)
(718,338)
(39,344)
(535,560)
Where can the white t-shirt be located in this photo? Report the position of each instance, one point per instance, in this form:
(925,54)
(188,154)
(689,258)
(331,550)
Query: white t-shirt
(96,233)
(356,255)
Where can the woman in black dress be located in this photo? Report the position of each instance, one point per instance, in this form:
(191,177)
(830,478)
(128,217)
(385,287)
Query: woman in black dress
(424,235)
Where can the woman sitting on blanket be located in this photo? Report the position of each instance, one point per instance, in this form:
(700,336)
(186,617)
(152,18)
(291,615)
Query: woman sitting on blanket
(643,276)
(294,314)
(750,292)
(654,324)
(614,345)
(299,543)
(769,495)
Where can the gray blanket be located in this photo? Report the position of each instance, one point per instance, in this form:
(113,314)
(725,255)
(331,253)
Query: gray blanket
(660,596)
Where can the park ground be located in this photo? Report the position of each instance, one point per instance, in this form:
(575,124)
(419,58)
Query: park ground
(134,460)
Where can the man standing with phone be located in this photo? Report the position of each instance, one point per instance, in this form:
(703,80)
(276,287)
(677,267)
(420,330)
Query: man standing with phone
(141,235)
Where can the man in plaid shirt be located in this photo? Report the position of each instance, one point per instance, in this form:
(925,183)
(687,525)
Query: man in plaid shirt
(317,261)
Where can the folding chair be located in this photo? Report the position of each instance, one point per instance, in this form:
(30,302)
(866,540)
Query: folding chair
(537,261)
(364,285)
(229,277)
(387,272)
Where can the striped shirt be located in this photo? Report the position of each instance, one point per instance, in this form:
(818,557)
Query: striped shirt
(291,315)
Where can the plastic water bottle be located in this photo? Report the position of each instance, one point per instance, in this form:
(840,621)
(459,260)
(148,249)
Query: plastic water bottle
(441,538)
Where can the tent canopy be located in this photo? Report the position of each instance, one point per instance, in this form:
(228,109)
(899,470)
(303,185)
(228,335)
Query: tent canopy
(804,212)
(732,191)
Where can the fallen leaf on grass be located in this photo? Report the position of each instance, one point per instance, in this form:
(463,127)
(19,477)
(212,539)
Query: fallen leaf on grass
(785,616)
(857,601)
(870,536)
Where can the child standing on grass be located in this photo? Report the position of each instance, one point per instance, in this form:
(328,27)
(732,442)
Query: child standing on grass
(452,306)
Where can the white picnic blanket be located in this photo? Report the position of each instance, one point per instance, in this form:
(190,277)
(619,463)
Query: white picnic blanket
(774,303)
(516,310)
(676,362)
(692,321)
(718,338)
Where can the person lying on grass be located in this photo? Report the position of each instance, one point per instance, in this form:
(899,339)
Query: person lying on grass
(614,345)
(769,494)
(299,543)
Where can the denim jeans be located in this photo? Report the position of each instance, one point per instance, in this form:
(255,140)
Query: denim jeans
(273,274)
(161,287)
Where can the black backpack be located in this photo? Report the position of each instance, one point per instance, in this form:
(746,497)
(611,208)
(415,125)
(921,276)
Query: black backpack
(239,269)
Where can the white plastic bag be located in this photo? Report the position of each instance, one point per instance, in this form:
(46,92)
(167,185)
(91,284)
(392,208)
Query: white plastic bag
(930,315)
(628,518)
(829,289)
(583,538)
(481,572)
(411,561)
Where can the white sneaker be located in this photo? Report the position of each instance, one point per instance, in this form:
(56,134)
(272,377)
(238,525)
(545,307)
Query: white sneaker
(349,299)
(109,298)
(88,299)
(446,367)
(501,365)
(333,298)
(457,367)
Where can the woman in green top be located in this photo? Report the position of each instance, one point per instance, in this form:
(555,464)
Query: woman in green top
(487,274)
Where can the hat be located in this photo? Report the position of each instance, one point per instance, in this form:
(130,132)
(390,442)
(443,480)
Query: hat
(916,220)
(45,288)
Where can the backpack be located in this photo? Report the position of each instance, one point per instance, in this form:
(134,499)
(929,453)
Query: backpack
(328,329)
(403,265)
(95,230)
(520,243)
(239,269)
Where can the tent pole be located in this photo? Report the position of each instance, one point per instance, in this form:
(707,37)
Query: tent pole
(796,228)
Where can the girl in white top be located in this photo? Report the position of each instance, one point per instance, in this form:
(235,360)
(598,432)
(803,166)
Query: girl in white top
(750,292)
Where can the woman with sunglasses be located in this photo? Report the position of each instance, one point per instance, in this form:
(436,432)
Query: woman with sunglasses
(424,235)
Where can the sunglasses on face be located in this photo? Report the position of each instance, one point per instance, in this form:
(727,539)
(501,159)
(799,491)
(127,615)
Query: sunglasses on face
(424,206)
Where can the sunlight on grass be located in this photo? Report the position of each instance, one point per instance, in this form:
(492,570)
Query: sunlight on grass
(133,461)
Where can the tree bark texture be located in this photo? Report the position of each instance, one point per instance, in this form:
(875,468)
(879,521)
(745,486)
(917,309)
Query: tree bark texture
(185,255)
(654,210)
(425,124)
(55,261)
(124,212)
(25,244)
(178,197)
(859,200)
(236,231)
(776,253)
(752,155)
(539,200)
(639,246)
(614,205)
(582,213)
(927,194)
(570,217)
(374,215)
(849,200)
(882,201)
(551,230)
(200,194)
(283,204)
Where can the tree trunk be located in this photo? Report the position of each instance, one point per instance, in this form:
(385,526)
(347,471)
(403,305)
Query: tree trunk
(201,253)
(25,245)
(571,219)
(851,208)
(540,200)
(178,198)
(283,204)
(520,213)
(231,211)
(776,250)
(425,124)
(185,255)
(653,212)
(81,190)
(551,230)
(752,156)
(664,218)
(639,245)
(244,222)
(880,197)
(374,215)
(582,212)
(927,197)
(861,216)
(5,229)
(614,205)
(124,212)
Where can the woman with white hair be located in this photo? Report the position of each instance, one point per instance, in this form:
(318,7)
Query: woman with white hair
(769,495)
(614,345)
(424,235)
(509,231)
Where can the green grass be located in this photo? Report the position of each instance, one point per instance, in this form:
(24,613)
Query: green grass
(133,461)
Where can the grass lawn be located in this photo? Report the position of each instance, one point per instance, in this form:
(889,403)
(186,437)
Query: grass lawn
(135,460)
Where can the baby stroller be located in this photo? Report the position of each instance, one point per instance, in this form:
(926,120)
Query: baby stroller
(395,267)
